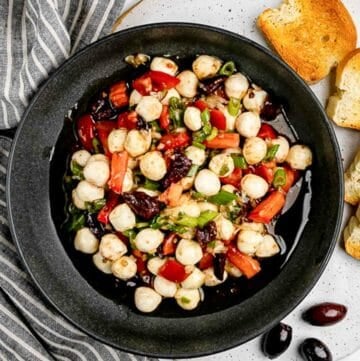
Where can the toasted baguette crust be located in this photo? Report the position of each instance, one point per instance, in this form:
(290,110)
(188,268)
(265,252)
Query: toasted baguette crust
(352,237)
(312,36)
(352,181)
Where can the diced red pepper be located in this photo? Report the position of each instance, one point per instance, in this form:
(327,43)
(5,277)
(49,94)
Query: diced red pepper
(200,104)
(265,172)
(248,266)
(103,129)
(169,245)
(140,259)
(111,203)
(217,119)
(223,141)
(118,94)
(292,175)
(119,162)
(267,132)
(143,84)
(86,131)
(162,81)
(173,271)
(206,261)
(234,178)
(176,140)
(267,209)
(164,119)
(127,120)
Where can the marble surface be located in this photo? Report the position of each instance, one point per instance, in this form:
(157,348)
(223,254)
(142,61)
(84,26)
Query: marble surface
(340,281)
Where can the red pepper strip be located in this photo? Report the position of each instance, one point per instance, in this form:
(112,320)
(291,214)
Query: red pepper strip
(169,245)
(103,129)
(176,140)
(223,141)
(111,203)
(267,132)
(200,104)
(248,266)
(140,262)
(127,120)
(234,178)
(119,162)
(164,119)
(173,271)
(118,94)
(266,210)
(162,81)
(265,172)
(206,261)
(292,175)
(86,131)
(143,84)
(217,119)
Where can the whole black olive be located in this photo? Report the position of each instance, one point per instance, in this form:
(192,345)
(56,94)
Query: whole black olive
(325,314)
(313,349)
(277,340)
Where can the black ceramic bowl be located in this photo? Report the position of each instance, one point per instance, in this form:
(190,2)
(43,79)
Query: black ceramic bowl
(34,231)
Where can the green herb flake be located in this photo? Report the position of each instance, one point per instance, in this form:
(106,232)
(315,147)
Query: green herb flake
(76,170)
(95,206)
(76,222)
(271,152)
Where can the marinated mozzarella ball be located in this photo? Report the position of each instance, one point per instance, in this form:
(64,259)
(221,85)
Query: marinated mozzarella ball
(171,93)
(236,86)
(79,203)
(196,155)
(254,99)
(232,270)
(137,142)
(248,124)
(135,98)
(211,280)
(207,182)
(228,188)
(122,218)
(188,84)
(124,268)
(188,299)
(116,140)
(148,239)
(149,108)
(192,118)
(254,150)
(206,66)
(112,247)
(88,192)
(101,263)
(207,206)
(153,165)
(128,181)
(154,264)
(132,163)
(225,228)
(283,149)
(252,226)
(190,208)
(188,252)
(195,279)
(299,157)
(146,299)
(85,241)
(81,157)
(164,65)
(164,287)
(218,247)
(222,165)
(97,172)
(248,241)
(97,157)
(268,247)
(254,186)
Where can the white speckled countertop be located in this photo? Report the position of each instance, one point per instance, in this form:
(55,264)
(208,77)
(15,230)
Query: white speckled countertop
(340,281)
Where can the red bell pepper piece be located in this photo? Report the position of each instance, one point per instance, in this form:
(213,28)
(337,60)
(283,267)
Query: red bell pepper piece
(86,131)
(164,119)
(292,175)
(111,203)
(265,172)
(118,94)
(176,140)
(169,245)
(143,84)
(162,81)
(127,120)
(103,129)
(217,119)
(206,261)
(173,271)
(234,178)
(267,209)
(223,141)
(200,104)
(140,259)
(267,132)
(119,162)
(248,266)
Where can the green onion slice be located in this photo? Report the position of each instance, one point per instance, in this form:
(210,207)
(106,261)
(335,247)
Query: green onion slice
(193,170)
(93,207)
(222,198)
(239,161)
(187,221)
(234,106)
(271,152)
(151,185)
(206,217)
(198,145)
(228,68)
(279,178)
(213,134)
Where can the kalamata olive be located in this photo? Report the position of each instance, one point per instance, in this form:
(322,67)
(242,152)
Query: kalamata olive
(277,340)
(313,349)
(179,167)
(325,314)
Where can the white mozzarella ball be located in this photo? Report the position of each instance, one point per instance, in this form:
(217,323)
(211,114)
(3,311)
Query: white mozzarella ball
(81,157)
(254,186)
(252,226)
(236,86)
(171,93)
(207,206)
(137,142)
(128,181)
(146,299)
(190,208)
(97,172)
(192,118)
(164,65)
(248,124)
(222,164)
(112,247)
(149,192)
(254,150)
(195,154)
(188,252)
(164,287)
(299,157)
(207,182)
(154,264)
(116,140)
(153,165)
(232,151)
(254,99)
(283,149)
(133,163)
(225,228)
(268,247)
(228,188)
(188,84)
(206,66)
(195,279)
(88,192)
(248,241)
(78,202)
(97,157)
(85,241)
(148,239)
(134,98)
(218,247)
(122,218)
(101,263)
(232,270)
(188,299)
(124,268)
(211,280)
(149,108)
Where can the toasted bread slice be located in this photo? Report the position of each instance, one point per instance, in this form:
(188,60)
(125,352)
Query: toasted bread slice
(352,181)
(344,106)
(352,237)
(312,36)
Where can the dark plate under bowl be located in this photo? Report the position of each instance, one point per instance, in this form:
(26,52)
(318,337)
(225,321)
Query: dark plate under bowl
(34,231)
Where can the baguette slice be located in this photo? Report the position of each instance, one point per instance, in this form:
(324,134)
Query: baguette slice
(312,36)
(344,106)
(352,237)
(352,181)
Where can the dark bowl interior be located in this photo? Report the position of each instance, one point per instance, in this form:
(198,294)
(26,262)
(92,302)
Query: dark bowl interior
(34,230)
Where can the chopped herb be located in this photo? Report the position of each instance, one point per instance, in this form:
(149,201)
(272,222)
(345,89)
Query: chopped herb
(224,169)
(193,170)
(76,222)
(198,195)
(76,170)
(228,68)
(271,152)
(130,233)
(234,106)
(176,228)
(199,136)
(154,124)
(93,207)
(279,178)
(96,145)
(187,221)
(234,213)
(222,198)
(184,300)
(212,244)
(206,217)
(239,161)
(151,185)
